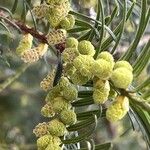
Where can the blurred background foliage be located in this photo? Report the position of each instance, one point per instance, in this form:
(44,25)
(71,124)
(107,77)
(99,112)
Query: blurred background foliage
(20,103)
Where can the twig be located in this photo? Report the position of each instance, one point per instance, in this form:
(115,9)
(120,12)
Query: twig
(11,79)
(136,100)
(23,28)
(32,31)
(139,101)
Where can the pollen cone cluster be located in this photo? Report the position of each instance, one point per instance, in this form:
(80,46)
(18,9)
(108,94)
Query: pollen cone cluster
(81,67)
(58,105)
(56,13)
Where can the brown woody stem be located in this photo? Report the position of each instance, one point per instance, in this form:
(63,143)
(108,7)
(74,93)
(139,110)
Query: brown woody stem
(22,27)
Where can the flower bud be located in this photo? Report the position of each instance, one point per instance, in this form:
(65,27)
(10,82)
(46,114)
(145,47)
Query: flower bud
(69,69)
(54,140)
(101,91)
(63,83)
(53,93)
(106,56)
(56,36)
(68,117)
(65,24)
(123,64)
(78,79)
(43,141)
(70,93)
(24,44)
(69,54)
(71,42)
(40,129)
(118,109)
(57,128)
(86,48)
(71,19)
(59,104)
(83,64)
(68,22)
(46,140)
(102,69)
(101,84)
(122,78)
(47,110)
(40,11)
(57,13)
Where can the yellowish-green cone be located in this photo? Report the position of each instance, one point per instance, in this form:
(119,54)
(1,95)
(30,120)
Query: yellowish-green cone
(101,91)
(40,11)
(71,19)
(43,141)
(102,69)
(71,42)
(53,93)
(69,69)
(63,83)
(123,64)
(118,109)
(24,44)
(106,56)
(56,13)
(65,24)
(46,140)
(86,48)
(57,128)
(83,64)
(55,140)
(101,84)
(68,22)
(78,79)
(70,93)
(59,104)
(68,117)
(122,78)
